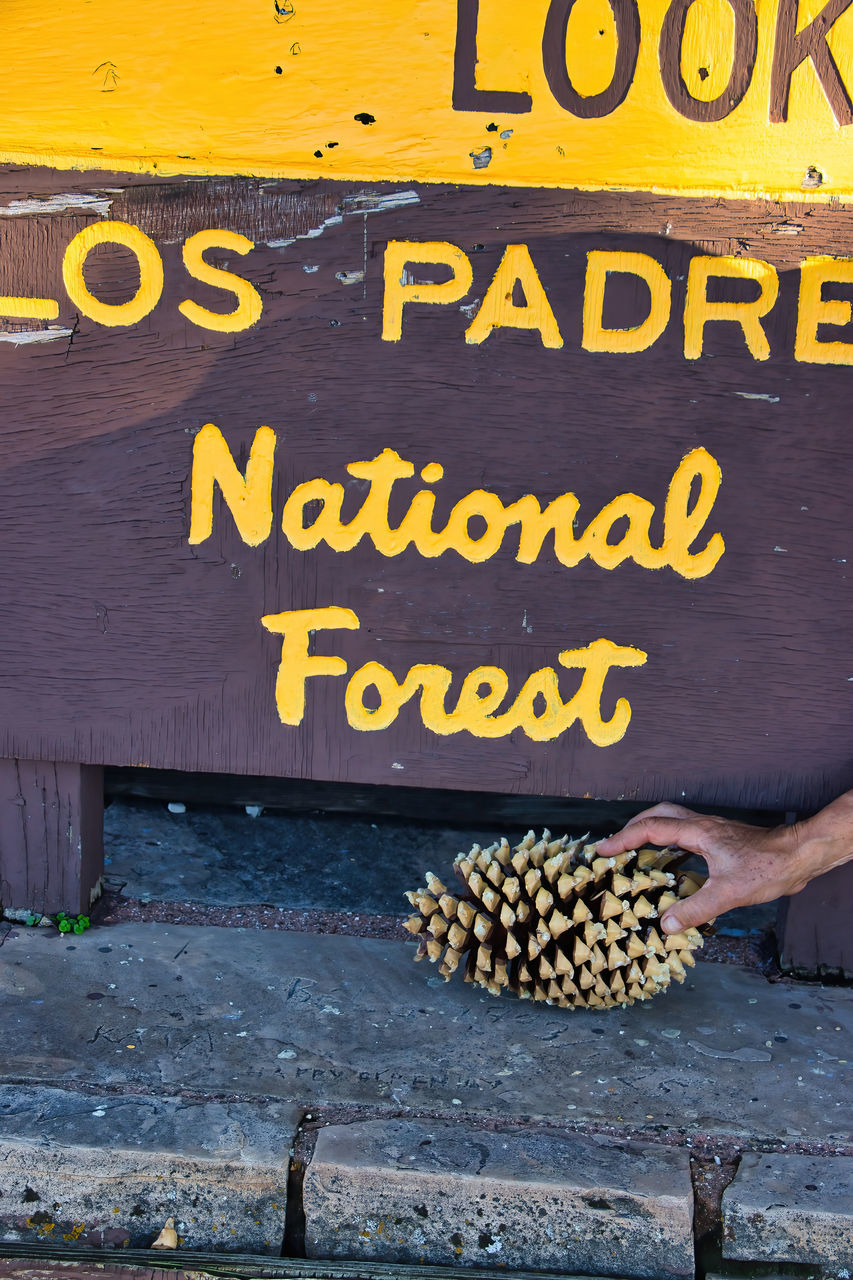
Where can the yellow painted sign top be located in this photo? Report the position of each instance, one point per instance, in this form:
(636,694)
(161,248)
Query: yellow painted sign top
(727,97)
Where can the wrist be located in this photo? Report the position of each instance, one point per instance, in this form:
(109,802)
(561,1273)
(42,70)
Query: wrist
(825,840)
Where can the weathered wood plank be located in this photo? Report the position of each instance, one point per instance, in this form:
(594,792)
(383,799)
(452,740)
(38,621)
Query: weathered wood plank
(51,835)
(301,795)
(640,96)
(124,643)
(814,927)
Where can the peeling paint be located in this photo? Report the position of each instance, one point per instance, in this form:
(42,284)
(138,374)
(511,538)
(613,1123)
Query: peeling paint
(334,221)
(35,335)
(757,395)
(363,202)
(369,202)
(784,228)
(70,203)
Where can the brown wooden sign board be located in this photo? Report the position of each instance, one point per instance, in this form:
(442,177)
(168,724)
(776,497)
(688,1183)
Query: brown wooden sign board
(704,623)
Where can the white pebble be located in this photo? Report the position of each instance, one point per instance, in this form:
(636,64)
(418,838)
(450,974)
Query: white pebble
(176,806)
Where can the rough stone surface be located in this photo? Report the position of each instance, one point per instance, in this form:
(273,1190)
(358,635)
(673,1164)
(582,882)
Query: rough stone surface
(319,1020)
(108,1170)
(784,1208)
(441,1193)
(224,857)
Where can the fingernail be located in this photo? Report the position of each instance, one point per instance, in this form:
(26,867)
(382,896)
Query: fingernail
(671,924)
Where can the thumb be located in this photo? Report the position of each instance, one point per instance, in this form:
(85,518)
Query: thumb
(708,902)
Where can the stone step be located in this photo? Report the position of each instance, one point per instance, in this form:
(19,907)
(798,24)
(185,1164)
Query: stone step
(108,1170)
(324,1020)
(790,1208)
(442,1193)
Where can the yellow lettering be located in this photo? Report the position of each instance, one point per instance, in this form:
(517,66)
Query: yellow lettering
(558,516)
(416,527)
(434,682)
(596,660)
(552,720)
(681,525)
(814,310)
(150,273)
(474,710)
(29,308)
(457,536)
(248,498)
(325,526)
(383,472)
(498,311)
(698,310)
(371,519)
(538,710)
(297,665)
(634,543)
(392,697)
(249,305)
(601,263)
(399,291)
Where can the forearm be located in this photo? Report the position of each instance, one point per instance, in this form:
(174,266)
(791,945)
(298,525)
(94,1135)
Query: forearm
(825,841)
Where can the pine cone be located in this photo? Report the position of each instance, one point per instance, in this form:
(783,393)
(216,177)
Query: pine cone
(552,921)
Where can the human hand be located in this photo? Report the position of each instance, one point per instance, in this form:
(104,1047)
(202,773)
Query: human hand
(746,864)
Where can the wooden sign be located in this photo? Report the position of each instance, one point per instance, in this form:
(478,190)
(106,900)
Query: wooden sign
(429,486)
(418,456)
(703,97)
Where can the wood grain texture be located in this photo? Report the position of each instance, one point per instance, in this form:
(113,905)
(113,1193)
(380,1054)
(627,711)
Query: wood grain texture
(122,644)
(814,927)
(594,106)
(301,795)
(745,49)
(51,835)
(457,92)
(792,48)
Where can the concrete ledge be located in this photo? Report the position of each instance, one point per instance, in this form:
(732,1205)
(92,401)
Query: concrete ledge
(107,1170)
(783,1208)
(451,1194)
(326,1020)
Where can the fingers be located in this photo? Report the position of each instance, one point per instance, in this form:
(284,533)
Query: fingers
(706,904)
(679,830)
(664,810)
